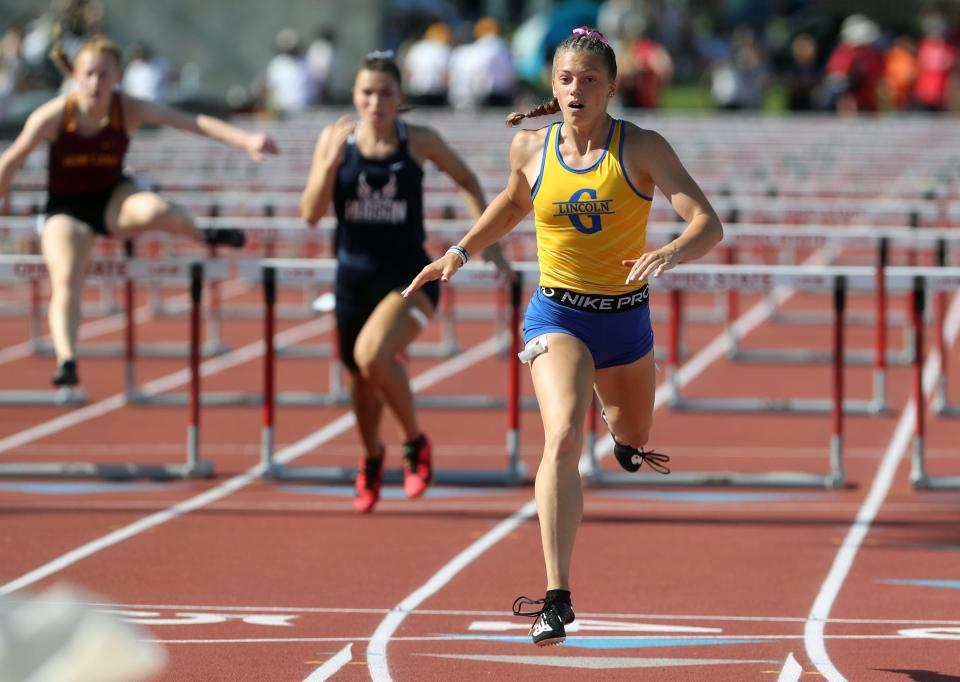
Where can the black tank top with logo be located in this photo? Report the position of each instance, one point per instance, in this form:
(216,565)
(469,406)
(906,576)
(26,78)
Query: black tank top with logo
(379,206)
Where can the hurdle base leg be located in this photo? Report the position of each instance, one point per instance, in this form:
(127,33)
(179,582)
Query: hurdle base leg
(786,479)
(918,470)
(113,472)
(773,405)
(472,477)
(44,398)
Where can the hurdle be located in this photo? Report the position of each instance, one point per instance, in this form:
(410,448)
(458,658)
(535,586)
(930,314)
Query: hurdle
(881,357)
(273,271)
(43,347)
(297,272)
(31,269)
(172,270)
(690,277)
(941,400)
(194,467)
(918,281)
(755,279)
(24,230)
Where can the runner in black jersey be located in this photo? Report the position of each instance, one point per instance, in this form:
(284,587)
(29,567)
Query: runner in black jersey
(371,170)
(88,131)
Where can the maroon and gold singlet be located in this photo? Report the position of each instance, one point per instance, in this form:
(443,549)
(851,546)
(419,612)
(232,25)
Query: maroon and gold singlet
(80,164)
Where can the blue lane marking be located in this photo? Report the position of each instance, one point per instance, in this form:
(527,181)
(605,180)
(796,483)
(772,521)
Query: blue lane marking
(614,642)
(391,492)
(952,584)
(713,497)
(82,488)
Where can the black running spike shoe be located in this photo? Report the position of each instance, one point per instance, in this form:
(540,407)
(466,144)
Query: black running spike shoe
(66,374)
(548,628)
(631,458)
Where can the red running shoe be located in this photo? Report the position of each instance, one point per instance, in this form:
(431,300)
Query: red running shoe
(417,468)
(369,478)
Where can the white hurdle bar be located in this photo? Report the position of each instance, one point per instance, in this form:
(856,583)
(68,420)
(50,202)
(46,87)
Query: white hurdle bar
(194,467)
(276,271)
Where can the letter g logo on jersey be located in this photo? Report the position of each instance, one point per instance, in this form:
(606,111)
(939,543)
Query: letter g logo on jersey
(584,204)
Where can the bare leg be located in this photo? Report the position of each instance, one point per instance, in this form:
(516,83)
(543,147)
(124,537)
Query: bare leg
(131,212)
(368,408)
(562,378)
(67,244)
(627,393)
(388,331)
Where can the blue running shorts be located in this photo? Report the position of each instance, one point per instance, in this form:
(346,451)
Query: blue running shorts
(616,329)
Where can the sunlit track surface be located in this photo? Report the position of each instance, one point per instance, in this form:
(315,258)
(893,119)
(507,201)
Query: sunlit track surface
(262,580)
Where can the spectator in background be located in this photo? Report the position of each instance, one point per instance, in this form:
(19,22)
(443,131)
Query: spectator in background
(76,21)
(856,66)
(9,67)
(426,66)
(288,83)
(936,61)
(319,58)
(615,18)
(481,72)
(802,77)
(648,67)
(740,81)
(900,72)
(144,75)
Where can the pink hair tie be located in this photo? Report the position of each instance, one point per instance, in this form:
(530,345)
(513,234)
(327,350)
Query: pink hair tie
(587,31)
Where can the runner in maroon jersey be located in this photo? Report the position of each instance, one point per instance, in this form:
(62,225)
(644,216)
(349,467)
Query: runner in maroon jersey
(89,130)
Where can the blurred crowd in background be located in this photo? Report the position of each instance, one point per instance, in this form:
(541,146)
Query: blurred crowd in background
(798,55)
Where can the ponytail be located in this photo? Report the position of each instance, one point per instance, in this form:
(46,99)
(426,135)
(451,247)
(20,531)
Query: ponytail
(58,55)
(98,43)
(549,107)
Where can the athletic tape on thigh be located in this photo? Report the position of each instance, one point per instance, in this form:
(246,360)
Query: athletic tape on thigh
(419,316)
(536,347)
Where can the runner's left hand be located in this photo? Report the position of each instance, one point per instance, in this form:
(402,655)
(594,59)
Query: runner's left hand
(652,263)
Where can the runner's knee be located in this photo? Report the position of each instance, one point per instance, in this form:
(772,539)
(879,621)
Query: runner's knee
(563,443)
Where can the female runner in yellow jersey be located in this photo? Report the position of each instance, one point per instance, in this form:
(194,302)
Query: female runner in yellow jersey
(589,180)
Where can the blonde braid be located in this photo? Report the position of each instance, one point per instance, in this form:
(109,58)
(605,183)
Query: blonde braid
(57,54)
(550,107)
(97,43)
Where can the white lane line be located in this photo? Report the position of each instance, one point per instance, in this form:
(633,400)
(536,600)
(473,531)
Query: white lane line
(231,485)
(842,563)
(791,671)
(165,383)
(219,608)
(377,648)
(459,638)
(331,667)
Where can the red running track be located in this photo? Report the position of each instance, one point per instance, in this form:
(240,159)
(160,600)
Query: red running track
(244,579)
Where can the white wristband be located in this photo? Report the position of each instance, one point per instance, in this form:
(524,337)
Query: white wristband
(460,252)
